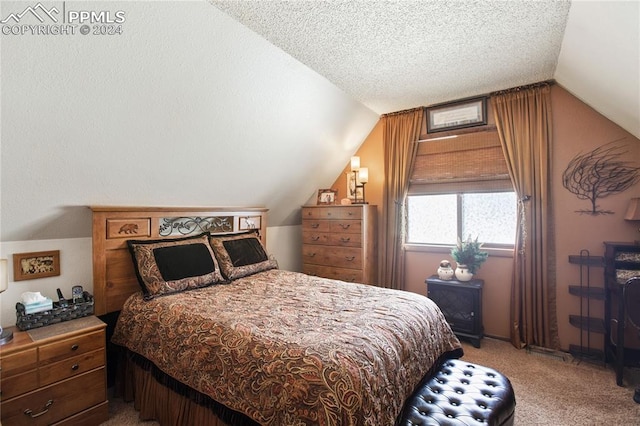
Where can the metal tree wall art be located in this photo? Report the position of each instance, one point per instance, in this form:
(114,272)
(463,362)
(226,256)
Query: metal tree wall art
(600,173)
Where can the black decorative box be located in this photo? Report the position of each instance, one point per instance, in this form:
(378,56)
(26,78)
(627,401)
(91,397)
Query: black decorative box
(57,314)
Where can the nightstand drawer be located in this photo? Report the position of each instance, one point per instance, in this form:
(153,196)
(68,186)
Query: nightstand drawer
(71,347)
(18,384)
(18,363)
(341,257)
(53,403)
(71,367)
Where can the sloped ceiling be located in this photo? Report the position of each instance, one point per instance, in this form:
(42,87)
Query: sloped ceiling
(600,59)
(186,107)
(393,55)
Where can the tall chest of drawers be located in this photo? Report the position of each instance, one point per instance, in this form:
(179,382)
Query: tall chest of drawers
(340,242)
(55,375)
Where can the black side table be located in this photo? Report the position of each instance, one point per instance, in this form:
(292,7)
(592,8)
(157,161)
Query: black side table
(461,304)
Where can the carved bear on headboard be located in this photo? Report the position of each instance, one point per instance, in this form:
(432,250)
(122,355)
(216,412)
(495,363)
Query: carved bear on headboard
(128,228)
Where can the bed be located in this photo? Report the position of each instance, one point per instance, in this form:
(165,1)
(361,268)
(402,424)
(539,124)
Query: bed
(261,345)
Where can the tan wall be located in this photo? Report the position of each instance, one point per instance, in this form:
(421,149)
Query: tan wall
(577,129)
(371,156)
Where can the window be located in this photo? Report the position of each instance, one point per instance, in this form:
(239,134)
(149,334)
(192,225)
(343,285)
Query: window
(460,187)
(443,218)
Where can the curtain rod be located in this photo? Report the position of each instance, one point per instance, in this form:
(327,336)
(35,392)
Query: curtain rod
(498,92)
(525,87)
(405,111)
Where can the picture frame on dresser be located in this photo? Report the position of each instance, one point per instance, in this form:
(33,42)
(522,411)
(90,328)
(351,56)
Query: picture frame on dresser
(327,196)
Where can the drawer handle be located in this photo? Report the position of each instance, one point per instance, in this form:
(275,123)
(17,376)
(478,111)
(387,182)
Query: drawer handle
(345,240)
(345,226)
(311,254)
(315,238)
(74,367)
(350,258)
(315,225)
(29,412)
(74,347)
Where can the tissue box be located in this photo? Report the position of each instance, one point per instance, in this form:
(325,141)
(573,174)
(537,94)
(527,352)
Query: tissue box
(32,308)
(27,321)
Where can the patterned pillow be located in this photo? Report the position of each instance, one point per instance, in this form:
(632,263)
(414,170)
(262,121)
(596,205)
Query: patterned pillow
(241,255)
(173,265)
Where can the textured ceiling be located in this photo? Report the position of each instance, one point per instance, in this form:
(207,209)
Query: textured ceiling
(394,55)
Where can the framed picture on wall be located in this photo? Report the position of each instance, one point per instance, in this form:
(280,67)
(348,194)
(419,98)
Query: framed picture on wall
(40,264)
(457,115)
(327,196)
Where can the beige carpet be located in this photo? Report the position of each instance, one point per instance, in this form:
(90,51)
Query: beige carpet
(549,390)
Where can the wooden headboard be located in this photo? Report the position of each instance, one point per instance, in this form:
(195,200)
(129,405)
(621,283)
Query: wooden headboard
(114,278)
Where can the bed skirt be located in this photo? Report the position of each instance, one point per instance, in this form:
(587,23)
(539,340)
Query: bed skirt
(157,396)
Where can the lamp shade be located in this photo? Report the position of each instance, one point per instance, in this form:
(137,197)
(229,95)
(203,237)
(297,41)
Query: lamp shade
(4,280)
(363,175)
(633,209)
(355,164)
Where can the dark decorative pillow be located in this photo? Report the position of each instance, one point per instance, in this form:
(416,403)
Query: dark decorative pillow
(241,255)
(173,265)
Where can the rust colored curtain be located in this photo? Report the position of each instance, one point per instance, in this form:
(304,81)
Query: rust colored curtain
(401,132)
(523,120)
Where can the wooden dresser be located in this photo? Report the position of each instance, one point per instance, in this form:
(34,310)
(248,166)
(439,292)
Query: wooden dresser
(55,374)
(340,242)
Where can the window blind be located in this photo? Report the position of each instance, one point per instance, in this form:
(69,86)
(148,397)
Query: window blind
(471,162)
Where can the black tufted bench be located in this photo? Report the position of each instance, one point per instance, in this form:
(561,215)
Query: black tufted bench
(461,393)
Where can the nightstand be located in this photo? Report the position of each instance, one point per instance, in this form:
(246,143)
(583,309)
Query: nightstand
(461,304)
(55,374)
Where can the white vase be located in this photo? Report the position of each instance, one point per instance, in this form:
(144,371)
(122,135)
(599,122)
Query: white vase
(462,273)
(445,273)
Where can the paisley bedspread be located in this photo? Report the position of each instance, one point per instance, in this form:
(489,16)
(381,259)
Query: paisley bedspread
(286,348)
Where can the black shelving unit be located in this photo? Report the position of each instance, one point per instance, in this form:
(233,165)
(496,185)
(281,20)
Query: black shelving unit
(589,294)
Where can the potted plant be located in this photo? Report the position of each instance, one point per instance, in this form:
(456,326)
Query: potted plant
(469,257)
